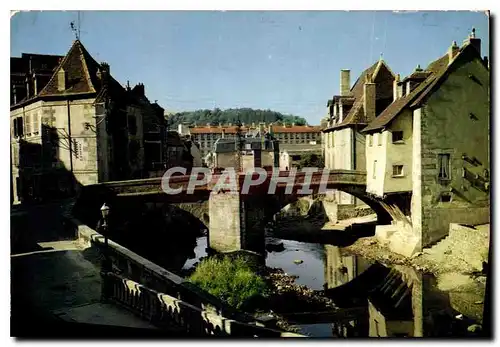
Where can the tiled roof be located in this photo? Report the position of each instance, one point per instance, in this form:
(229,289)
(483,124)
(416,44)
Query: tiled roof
(296,129)
(215,130)
(437,70)
(383,90)
(80,70)
(417,75)
(275,129)
(81,74)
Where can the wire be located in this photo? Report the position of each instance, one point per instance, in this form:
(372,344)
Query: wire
(385,34)
(371,40)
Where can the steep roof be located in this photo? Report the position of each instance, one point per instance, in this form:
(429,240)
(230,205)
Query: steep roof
(80,73)
(356,115)
(437,70)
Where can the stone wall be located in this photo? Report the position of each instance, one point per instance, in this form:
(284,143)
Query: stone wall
(139,269)
(455,121)
(376,162)
(226,226)
(399,153)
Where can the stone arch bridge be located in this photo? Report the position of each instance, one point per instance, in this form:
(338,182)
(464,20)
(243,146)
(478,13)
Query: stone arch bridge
(236,218)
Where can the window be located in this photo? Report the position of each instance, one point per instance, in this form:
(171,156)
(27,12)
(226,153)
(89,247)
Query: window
(20,127)
(379,138)
(28,124)
(36,124)
(397,136)
(132,126)
(444,166)
(445,197)
(374,168)
(397,171)
(370,140)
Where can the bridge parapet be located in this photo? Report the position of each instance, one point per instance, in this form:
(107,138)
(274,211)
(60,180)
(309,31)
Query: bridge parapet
(201,184)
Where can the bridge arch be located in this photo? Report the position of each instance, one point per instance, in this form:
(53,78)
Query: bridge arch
(275,203)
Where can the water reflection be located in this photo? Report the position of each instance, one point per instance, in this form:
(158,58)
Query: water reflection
(388,302)
(341,268)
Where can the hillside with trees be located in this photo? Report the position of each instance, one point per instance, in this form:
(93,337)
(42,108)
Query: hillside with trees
(232,115)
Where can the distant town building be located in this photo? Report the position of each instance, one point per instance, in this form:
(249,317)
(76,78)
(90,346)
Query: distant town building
(349,113)
(73,124)
(291,155)
(207,135)
(432,143)
(256,150)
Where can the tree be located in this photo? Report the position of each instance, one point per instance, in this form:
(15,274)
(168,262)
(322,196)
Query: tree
(245,115)
(311,160)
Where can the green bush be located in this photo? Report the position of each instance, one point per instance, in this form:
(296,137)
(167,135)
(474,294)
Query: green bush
(230,279)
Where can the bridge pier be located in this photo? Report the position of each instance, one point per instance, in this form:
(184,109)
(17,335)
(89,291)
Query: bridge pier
(235,223)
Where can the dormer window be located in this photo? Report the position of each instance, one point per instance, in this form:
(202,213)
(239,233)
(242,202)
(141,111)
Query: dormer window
(61,80)
(397,137)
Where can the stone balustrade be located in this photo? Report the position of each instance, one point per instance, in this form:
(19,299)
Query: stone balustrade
(163,310)
(141,270)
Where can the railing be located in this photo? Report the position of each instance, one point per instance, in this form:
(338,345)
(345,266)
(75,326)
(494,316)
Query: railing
(164,311)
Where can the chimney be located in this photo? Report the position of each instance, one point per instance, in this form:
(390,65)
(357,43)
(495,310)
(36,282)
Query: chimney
(104,73)
(452,51)
(223,132)
(472,40)
(139,89)
(261,129)
(61,80)
(395,87)
(369,99)
(345,82)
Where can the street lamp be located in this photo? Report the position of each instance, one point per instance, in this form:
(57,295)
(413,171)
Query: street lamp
(104,227)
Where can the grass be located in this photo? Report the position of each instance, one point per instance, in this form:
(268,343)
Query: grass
(230,279)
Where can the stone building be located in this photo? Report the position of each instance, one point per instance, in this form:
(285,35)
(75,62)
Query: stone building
(291,155)
(349,113)
(178,151)
(206,136)
(73,124)
(258,150)
(431,145)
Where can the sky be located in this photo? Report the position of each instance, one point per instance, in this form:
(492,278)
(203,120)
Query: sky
(286,61)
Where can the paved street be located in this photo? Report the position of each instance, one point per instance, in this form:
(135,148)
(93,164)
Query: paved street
(55,285)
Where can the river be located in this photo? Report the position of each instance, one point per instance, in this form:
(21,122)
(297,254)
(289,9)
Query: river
(374,300)
(322,266)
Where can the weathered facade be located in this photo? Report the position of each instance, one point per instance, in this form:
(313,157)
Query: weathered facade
(261,150)
(78,127)
(290,155)
(349,112)
(435,147)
